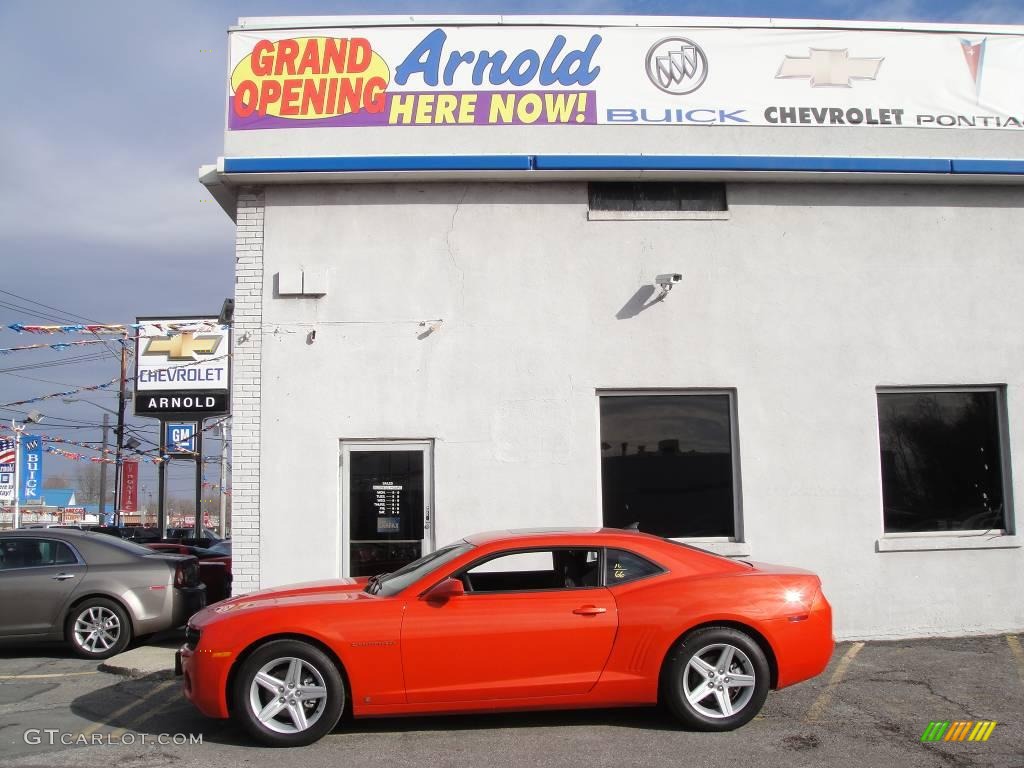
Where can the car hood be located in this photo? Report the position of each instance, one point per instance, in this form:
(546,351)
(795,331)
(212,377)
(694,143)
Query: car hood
(308,593)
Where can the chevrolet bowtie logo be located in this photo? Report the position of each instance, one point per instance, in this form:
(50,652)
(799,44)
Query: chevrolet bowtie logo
(182,346)
(829,68)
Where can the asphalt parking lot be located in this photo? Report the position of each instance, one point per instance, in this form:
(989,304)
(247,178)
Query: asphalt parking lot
(870,708)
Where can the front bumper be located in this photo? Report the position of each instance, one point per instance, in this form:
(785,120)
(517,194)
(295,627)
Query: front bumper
(205,678)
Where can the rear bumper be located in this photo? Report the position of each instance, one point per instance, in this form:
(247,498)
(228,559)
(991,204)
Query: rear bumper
(188,601)
(803,643)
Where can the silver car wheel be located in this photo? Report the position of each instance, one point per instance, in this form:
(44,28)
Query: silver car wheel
(288,695)
(718,681)
(97,629)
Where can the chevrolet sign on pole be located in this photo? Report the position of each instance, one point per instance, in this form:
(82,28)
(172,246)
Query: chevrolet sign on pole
(182,367)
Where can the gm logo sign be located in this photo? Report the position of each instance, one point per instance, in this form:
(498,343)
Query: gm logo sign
(180,437)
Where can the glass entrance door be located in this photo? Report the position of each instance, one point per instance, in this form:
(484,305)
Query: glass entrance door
(386,490)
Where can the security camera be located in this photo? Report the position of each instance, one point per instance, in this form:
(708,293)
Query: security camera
(665,282)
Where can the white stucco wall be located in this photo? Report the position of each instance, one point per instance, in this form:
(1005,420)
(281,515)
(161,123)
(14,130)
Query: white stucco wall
(804,301)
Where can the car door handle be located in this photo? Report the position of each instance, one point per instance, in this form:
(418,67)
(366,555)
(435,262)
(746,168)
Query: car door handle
(63,576)
(590,610)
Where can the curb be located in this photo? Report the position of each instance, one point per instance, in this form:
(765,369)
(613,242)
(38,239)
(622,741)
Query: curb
(145,661)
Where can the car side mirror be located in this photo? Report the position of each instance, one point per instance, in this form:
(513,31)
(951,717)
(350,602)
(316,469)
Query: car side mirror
(444,591)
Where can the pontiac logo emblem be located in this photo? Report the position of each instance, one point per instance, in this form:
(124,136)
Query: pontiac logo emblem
(677,65)
(182,346)
(829,68)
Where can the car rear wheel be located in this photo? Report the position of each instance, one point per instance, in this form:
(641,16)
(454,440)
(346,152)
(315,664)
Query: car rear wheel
(716,679)
(288,694)
(98,628)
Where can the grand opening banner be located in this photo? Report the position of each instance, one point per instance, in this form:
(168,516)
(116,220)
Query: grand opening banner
(399,76)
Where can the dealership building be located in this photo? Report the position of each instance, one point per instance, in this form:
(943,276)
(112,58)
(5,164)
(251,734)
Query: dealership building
(751,284)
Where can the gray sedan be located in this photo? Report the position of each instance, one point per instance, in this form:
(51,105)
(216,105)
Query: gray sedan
(94,591)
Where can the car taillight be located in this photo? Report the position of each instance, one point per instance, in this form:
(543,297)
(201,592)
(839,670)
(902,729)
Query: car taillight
(186,574)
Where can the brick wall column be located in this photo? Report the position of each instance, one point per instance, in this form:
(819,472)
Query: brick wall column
(245,393)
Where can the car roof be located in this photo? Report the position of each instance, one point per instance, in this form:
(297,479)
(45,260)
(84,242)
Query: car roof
(554,534)
(53,530)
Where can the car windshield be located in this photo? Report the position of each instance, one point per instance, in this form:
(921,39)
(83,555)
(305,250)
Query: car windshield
(388,584)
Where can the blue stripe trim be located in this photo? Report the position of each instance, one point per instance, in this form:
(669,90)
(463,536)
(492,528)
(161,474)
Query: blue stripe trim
(734,163)
(741,163)
(988,166)
(397,163)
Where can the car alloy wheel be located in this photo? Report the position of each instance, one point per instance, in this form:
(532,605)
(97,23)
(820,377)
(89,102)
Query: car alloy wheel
(716,679)
(98,629)
(719,680)
(288,695)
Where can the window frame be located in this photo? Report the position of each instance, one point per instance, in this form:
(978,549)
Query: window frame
(457,574)
(74,551)
(912,541)
(728,546)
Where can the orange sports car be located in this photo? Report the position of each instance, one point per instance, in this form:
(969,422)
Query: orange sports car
(513,620)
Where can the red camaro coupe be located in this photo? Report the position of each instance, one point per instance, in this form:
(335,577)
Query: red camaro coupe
(514,620)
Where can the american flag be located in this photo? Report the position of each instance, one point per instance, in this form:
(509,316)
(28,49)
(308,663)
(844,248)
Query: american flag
(7,448)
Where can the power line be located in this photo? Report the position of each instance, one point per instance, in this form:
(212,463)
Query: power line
(45,381)
(54,363)
(64,311)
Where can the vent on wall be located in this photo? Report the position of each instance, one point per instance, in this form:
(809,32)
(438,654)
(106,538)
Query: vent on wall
(657,200)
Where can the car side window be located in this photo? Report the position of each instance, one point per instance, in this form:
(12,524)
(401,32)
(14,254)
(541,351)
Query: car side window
(622,567)
(534,570)
(34,553)
(56,553)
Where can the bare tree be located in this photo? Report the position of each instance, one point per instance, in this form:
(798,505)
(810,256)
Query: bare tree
(58,481)
(88,479)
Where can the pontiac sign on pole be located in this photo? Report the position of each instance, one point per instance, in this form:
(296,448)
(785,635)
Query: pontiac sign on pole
(129,486)
(182,367)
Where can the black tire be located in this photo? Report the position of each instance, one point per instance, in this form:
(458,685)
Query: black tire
(98,628)
(712,712)
(281,729)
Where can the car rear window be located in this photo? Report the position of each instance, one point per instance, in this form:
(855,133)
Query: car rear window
(622,567)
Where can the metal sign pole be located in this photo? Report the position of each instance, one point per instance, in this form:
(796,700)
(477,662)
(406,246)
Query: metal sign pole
(199,480)
(161,515)
(17,475)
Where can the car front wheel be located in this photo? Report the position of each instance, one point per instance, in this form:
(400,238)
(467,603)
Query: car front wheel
(98,628)
(716,679)
(288,694)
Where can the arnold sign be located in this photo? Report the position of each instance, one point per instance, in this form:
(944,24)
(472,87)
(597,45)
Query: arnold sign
(517,74)
(182,366)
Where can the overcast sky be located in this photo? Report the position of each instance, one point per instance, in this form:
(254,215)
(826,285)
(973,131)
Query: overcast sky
(108,110)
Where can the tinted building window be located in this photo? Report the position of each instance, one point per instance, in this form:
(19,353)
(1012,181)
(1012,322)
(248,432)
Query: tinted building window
(667,463)
(942,468)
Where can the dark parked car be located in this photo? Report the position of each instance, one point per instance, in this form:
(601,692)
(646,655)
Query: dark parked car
(214,568)
(94,591)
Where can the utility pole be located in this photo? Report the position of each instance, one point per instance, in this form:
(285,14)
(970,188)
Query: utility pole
(223,479)
(120,432)
(103,468)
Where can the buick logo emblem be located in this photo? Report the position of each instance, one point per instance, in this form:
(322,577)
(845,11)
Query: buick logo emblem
(677,65)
